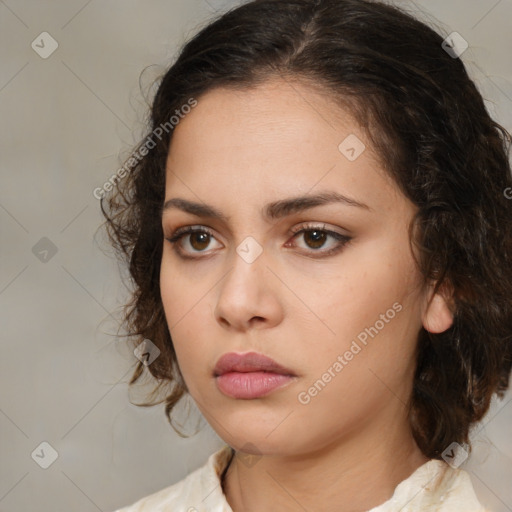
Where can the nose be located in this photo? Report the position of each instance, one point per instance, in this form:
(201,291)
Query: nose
(248,296)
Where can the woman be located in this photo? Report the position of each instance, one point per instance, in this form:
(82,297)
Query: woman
(318,230)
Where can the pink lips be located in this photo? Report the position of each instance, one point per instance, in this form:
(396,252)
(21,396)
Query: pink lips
(249,375)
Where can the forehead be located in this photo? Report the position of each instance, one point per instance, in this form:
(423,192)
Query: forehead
(284,136)
(277,109)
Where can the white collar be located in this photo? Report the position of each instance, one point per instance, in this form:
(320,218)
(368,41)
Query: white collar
(433,487)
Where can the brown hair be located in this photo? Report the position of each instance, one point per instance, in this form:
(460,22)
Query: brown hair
(429,125)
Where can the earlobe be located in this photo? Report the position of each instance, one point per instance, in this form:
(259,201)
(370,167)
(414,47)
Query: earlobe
(438,316)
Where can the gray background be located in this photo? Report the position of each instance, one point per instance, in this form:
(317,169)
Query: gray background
(67,122)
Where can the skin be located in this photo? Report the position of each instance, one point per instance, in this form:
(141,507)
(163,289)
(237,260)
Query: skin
(350,446)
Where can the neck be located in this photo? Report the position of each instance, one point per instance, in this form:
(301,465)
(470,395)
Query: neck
(352,474)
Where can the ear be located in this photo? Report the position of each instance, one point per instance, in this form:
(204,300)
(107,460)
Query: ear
(437,314)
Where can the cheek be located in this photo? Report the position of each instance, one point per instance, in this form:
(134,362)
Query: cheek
(364,282)
(185,307)
(372,299)
(376,333)
(183,290)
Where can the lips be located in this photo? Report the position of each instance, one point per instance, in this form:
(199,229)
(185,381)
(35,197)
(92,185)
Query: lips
(248,362)
(250,376)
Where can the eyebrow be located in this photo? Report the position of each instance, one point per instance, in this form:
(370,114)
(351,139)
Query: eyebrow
(272,211)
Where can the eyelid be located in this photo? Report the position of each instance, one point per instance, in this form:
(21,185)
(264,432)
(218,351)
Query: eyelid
(311,226)
(191,228)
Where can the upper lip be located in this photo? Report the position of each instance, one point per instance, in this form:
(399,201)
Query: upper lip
(248,362)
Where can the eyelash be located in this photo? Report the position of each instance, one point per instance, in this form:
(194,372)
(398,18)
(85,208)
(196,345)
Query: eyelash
(343,240)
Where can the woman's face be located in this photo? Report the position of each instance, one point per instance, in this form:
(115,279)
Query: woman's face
(342,316)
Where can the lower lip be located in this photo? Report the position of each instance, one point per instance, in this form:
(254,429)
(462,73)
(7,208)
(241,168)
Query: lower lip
(250,384)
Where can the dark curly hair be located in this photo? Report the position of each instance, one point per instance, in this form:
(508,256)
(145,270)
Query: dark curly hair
(429,126)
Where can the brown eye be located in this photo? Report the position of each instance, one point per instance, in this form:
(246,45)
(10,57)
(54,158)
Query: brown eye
(191,240)
(315,238)
(319,241)
(199,240)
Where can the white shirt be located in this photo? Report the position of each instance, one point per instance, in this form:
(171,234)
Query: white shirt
(435,486)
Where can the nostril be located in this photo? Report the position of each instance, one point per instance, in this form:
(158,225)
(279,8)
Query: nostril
(257,320)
